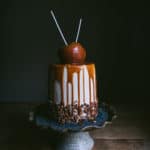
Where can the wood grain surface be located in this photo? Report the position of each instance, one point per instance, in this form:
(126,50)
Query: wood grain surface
(130,131)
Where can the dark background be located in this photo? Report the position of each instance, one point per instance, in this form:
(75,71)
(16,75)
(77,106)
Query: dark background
(115,34)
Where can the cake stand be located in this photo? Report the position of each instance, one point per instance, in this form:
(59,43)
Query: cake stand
(73,136)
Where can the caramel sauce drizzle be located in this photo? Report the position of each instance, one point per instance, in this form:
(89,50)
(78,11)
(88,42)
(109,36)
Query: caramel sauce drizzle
(58,75)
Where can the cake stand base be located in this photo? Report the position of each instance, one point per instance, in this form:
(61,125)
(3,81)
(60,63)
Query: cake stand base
(72,136)
(76,141)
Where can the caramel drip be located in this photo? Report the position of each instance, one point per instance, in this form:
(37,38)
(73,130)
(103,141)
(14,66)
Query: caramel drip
(78,89)
(64,84)
(58,75)
(62,100)
(92,74)
(72,94)
(83,88)
(90,90)
(91,70)
(67,94)
(72,69)
(95,87)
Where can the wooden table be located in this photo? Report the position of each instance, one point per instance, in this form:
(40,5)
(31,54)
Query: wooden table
(130,131)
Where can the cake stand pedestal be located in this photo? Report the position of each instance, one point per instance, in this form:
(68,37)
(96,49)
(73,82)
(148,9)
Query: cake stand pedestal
(76,141)
(73,136)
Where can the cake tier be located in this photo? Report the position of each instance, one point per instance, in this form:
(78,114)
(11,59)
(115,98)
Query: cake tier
(72,91)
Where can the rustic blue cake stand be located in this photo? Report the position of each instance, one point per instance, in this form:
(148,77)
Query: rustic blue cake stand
(75,136)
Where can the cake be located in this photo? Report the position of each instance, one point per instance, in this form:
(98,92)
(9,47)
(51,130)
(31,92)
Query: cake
(72,86)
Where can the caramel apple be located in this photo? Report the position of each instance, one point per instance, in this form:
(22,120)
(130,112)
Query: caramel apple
(73,53)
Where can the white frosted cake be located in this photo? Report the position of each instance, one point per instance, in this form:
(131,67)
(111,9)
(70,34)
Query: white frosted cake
(72,92)
(72,83)
(72,86)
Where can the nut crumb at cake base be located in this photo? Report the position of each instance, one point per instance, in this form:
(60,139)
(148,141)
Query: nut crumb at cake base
(74,113)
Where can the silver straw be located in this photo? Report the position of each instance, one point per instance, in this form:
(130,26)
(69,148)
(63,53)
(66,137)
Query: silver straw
(58,27)
(78,32)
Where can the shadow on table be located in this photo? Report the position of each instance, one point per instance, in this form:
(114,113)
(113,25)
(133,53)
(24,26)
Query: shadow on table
(31,139)
(19,134)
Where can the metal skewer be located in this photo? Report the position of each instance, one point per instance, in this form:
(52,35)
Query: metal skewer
(58,27)
(78,32)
